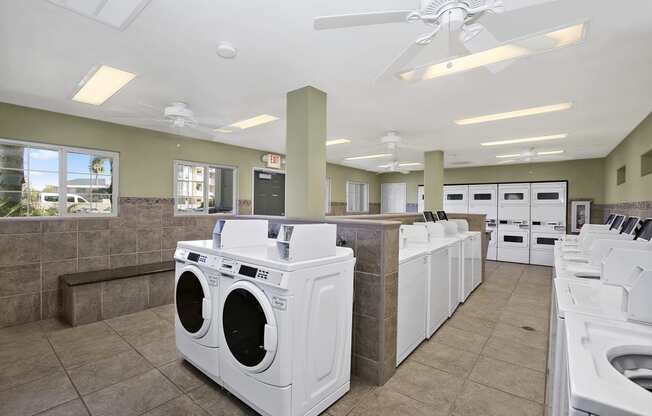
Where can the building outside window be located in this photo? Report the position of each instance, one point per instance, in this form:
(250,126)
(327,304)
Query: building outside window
(357,197)
(41,180)
(202,188)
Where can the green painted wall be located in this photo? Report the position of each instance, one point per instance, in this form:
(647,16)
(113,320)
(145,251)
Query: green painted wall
(584,177)
(628,153)
(146,156)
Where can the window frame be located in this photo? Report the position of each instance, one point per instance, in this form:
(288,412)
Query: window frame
(177,162)
(63,151)
(329,195)
(366,197)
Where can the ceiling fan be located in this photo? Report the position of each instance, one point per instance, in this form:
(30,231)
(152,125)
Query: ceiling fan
(176,116)
(530,155)
(392,141)
(457,27)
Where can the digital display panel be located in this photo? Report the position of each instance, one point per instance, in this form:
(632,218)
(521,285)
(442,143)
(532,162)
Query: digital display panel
(629,225)
(645,232)
(617,222)
(609,219)
(193,257)
(248,271)
(442,215)
(429,216)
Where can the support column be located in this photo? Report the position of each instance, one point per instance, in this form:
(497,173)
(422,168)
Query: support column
(306,153)
(433,177)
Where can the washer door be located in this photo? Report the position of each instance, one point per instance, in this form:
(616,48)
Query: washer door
(193,301)
(249,326)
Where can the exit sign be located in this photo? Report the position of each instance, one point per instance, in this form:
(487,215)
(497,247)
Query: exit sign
(273,161)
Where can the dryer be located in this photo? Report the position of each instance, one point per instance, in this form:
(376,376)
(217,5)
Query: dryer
(548,216)
(456,199)
(197,302)
(483,199)
(286,328)
(514,222)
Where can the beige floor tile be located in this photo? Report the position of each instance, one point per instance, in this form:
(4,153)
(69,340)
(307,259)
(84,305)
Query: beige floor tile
(184,375)
(218,402)
(37,396)
(471,324)
(160,352)
(85,351)
(481,312)
(450,359)
(105,372)
(532,338)
(387,402)
(165,312)
(458,338)
(427,385)
(520,306)
(21,371)
(181,406)
(515,353)
(510,378)
(359,390)
(539,323)
(71,408)
(133,396)
(479,400)
(19,348)
(23,332)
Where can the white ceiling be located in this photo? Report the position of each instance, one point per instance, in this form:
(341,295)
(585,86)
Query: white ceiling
(45,50)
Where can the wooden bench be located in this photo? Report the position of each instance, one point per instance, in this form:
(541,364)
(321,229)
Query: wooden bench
(97,295)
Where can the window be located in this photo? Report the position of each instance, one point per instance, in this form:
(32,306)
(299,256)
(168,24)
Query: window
(646,163)
(40,180)
(357,197)
(327,199)
(621,175)
(203,188)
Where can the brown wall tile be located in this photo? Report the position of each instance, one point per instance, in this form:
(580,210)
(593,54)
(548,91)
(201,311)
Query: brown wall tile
(151,257)
(368,294)
(123,260)
(94,243)
(161,289)
(124,296)
(123,240)
(20,227)
(20,280)
(52,272)
(368,251)
(59,226)
(59,246)
(52,304)
(20,309)
(91,264)
(149,239)
(85,304)
(20,249)
(94,224)
(367,335)
(172,235)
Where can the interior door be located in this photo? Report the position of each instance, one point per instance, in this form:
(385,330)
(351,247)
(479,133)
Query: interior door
(393,197)
(420,199)
(269,193)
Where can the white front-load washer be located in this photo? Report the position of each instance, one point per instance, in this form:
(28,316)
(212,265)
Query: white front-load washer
(286,329)
(197,302)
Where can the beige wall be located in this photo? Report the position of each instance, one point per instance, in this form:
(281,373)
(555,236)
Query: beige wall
(628,153)
(146,156)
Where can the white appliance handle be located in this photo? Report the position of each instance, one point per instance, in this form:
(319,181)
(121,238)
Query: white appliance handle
(270,338)
(206,308)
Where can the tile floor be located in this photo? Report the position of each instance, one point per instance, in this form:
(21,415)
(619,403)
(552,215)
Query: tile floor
(481,362)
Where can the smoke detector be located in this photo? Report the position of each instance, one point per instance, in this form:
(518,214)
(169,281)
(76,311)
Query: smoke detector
(226,50)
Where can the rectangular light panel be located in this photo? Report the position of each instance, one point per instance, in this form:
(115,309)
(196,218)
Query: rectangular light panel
(552,152)
(254,121)
(508,156)
(378,156)
(515,114)
(515,49)
(526,140)
(337,141)
(102,85)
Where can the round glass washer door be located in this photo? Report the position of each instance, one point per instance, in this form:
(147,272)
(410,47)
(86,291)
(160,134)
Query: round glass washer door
(249,326)
(193,301)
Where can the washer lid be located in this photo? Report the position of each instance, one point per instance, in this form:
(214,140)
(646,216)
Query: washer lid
(193,301)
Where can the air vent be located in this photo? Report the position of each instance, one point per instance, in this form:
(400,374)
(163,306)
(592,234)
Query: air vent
(115,13)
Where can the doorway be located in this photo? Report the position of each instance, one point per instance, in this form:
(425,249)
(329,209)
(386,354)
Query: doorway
(269,193)
(420,198)
(392,198)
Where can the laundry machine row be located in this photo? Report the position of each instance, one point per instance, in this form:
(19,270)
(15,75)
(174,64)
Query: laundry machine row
(270,322)
(524,219)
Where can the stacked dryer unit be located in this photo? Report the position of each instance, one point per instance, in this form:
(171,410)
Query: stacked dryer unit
(514,222)
(456,199)
(548,214)
(483,200)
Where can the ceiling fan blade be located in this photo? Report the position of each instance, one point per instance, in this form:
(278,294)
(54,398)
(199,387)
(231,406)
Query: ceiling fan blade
(361,19)
(518,21)
(140,119)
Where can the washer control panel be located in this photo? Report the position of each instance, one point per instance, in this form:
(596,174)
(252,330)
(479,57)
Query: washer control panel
(233,267)
(189,256)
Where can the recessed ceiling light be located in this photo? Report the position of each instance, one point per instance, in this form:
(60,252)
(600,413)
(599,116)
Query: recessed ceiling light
(514,49)
(551,152)
(526,140)
(502,162)
(254,121)
(402,164)
(369,156)
(508,156)
(102,84)
(514,114)
(223,130)
(337,141)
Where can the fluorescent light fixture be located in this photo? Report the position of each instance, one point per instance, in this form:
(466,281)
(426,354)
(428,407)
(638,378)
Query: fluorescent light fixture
(551,152)
(503,162)
(378,156)
(100,86)
(542,42)
(514,114)
(526,140)
(337,141)
(402,164)
(254,121)
(224,130)
(508,156)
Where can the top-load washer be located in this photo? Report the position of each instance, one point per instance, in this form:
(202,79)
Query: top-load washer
(286,316)
(197,302)
(483,199)
(456,199)
(514,222)
(471,258)
(548,217)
